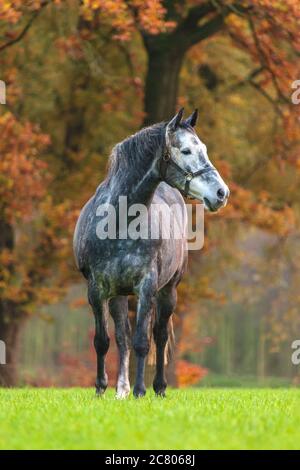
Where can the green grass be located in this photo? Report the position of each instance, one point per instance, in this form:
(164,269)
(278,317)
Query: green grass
(246,381)
(189,419)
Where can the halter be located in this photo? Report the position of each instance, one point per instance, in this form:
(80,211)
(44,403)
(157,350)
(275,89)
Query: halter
(188,175)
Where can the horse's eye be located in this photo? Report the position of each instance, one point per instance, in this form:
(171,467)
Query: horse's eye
(186,152)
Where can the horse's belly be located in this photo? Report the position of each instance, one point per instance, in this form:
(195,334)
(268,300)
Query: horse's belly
(171,259)
(121,274)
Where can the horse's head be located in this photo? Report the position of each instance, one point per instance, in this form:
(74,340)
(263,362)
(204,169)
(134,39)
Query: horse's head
(186,165)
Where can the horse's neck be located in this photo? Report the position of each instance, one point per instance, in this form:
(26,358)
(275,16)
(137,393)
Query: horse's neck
(137,190)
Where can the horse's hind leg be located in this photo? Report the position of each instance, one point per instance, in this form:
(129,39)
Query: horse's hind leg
(166,302)
(118,307)
(101,339)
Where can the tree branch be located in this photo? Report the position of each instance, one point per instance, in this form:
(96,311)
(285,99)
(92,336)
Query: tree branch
(197,13)
(273,102)
(244,81)
(210,28)
(196,32)
(24,30)
(249,80)
(264,60)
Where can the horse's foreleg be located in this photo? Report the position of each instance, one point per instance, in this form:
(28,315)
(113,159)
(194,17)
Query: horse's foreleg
(118,307)
(166,302)
(141,342)
(101,339)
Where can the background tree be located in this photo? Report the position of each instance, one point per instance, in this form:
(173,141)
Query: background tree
(34,229)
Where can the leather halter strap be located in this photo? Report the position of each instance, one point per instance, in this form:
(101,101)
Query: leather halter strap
(167,160)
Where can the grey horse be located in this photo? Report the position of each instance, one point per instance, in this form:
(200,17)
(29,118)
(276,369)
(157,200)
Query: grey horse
(151,168)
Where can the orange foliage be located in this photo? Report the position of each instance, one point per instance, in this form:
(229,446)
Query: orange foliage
(23,173)
(258,211)
(125,16)
(10,11)
(188,373)
(25,202)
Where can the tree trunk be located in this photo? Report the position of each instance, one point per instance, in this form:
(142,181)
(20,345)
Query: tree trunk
(11,318)
(11,323)
(162,78)
(165,58)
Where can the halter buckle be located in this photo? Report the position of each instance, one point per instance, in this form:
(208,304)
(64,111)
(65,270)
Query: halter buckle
(189,177)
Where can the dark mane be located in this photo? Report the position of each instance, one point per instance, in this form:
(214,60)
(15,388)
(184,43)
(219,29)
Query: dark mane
(137,149)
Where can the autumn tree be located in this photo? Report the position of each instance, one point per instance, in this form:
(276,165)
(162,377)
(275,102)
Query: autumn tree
(170,28)
(49,152)
(33,227)
(74,73)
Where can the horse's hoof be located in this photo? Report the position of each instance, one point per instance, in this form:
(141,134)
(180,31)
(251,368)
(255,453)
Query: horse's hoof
(139,392)
(159,388)
(101,386)
(122,394)
(100,392)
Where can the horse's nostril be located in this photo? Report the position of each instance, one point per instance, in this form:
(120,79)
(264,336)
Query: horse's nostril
(221,193)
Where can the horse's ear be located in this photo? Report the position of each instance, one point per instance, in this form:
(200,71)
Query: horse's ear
(175,121)
(192,119)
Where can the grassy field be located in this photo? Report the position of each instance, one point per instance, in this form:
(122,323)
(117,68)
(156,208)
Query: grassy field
(189,419)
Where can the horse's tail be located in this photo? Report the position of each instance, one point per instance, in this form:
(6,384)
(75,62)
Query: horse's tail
(170,344)
(171,341)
